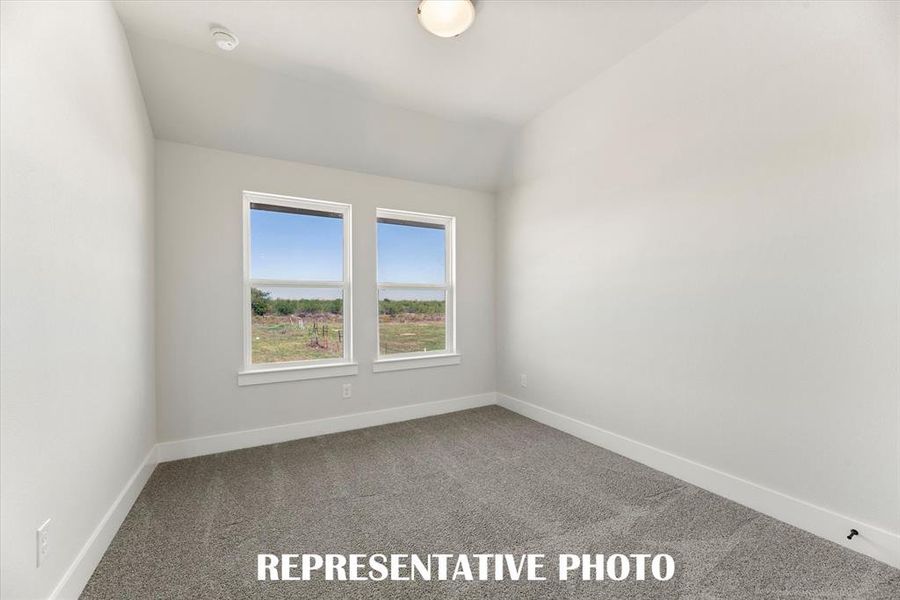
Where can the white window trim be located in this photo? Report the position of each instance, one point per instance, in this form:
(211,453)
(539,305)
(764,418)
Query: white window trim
(252,374)
(405,362)
(419,360)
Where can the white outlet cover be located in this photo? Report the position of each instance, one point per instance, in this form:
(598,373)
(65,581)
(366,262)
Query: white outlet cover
(347,390)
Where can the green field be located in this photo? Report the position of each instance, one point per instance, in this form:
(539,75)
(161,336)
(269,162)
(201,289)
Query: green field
(286,330)
(286,338)
(405,333)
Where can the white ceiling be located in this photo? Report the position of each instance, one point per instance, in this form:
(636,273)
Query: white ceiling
(369,64)
(206,100)
(517,58)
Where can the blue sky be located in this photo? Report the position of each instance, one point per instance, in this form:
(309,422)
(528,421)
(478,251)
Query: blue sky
(292,246)
(410,254)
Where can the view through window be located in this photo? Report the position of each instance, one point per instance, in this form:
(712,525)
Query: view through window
(415,291)
(297,281)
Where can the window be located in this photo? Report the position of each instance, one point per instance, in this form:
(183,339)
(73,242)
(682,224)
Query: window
(416,290)
(297,293)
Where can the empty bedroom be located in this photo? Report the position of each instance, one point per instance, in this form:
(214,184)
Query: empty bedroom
(461,299)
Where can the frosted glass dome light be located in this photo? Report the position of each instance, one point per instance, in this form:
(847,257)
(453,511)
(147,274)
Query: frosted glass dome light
(446,18)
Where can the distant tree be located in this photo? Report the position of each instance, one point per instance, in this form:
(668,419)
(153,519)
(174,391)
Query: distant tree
(263,304)
(285,307)
(259,301)
(423,307)
(388,308)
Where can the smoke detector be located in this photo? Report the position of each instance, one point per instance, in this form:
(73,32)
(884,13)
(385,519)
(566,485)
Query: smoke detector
(223,38)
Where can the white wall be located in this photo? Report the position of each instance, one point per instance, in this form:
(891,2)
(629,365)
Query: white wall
(700,251)
(199,295)
(76,182)
(216,101)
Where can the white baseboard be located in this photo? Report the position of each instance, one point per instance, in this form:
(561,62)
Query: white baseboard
(872,541)
(79,572)
(224,442)
(878,543)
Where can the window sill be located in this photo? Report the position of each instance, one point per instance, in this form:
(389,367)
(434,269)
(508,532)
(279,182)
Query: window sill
(279,375)
(415,362)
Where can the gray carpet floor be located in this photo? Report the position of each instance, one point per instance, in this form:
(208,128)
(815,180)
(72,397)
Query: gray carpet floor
(483,480)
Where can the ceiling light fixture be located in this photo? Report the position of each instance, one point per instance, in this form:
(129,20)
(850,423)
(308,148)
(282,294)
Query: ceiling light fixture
(223,38)
(446,18)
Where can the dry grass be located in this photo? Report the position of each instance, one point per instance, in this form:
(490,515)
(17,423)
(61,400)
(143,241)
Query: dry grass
(411,333)
(280,338)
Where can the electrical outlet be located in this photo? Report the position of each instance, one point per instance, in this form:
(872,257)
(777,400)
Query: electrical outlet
(523,380)
(347,390)
(43,542)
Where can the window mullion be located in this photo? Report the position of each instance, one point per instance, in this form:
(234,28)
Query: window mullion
(297,283)
(412,286)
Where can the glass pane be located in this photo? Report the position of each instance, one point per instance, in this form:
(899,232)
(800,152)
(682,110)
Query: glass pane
(410,253)
(292,323)
(287,243)
(411,321)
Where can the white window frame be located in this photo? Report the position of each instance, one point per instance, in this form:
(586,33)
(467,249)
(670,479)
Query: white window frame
(251,373)
(415,360)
